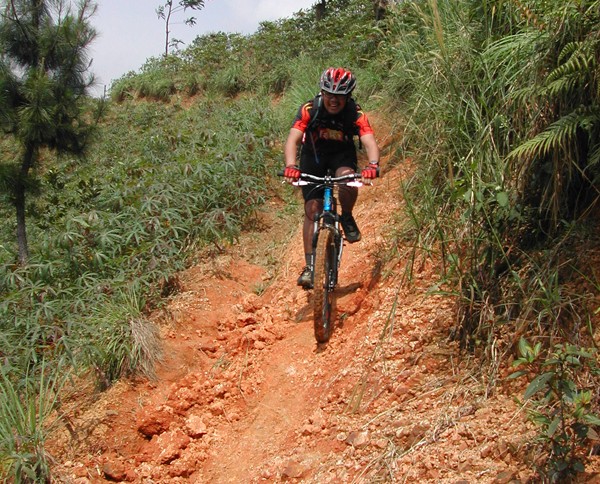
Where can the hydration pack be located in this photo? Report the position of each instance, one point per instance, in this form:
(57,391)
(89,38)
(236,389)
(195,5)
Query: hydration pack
(350,114)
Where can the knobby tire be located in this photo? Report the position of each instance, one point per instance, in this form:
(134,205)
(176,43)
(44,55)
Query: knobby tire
(323,296)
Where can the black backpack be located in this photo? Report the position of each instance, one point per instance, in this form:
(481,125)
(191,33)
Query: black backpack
(350,116)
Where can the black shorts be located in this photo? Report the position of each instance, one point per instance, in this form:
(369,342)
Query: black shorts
(326,162)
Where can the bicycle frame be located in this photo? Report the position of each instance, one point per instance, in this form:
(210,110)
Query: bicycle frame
(328,218)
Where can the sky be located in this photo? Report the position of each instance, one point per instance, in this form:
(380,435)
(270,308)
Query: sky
(129,31)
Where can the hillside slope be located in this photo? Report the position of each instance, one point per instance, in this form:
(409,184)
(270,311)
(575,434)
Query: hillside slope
(243,395)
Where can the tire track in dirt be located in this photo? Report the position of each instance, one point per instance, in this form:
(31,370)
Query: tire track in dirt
(280,407)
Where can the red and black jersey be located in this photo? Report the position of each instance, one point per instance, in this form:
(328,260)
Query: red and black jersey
(331,133)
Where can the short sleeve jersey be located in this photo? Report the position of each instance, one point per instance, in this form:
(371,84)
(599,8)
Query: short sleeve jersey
(332,133)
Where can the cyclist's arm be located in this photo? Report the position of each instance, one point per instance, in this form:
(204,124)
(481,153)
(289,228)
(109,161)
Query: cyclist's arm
(291,146)
(370,144)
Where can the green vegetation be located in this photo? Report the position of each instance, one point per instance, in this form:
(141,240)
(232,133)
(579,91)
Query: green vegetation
(559,399)
(503,179)
(26,411)
(498,104)
(42,84)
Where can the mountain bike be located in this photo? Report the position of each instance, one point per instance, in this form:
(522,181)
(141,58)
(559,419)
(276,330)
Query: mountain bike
(327,248)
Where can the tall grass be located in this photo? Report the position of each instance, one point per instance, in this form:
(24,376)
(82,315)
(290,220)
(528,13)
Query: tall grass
(27,413)
(500,166)
(125,342)
(459,198)
(501,102)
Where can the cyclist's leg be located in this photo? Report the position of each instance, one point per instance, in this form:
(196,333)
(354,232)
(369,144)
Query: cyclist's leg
(347,195)
(345,163)
(311,208)
(313,202)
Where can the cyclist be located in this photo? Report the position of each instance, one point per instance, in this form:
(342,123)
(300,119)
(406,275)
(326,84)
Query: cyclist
(324,127)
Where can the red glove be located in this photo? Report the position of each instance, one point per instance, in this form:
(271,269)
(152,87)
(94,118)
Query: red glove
(292,173)
(370,171)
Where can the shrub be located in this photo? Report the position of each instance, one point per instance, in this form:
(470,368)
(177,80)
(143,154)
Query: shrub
(564,412)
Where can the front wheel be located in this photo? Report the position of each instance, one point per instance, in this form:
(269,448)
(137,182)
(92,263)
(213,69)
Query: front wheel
(323,284)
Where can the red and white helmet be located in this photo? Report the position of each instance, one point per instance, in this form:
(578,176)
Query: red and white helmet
(337,81)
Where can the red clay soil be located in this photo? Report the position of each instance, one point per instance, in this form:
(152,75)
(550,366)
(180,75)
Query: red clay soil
(244,395)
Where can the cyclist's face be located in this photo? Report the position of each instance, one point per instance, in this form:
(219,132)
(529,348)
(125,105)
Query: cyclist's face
(334,103)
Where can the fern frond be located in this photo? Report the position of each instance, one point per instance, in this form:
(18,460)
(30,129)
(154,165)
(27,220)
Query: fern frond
(561,86)
(577,60)
(568,50)
(525,94)
(559,134)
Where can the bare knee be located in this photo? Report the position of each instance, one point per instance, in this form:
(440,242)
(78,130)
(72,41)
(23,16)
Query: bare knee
(311,208)
(344,170)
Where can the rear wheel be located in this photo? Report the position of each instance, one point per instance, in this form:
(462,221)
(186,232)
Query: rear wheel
(323,292)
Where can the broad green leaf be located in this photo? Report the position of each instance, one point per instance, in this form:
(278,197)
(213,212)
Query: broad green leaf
(538,383)
(553,426)
(516,374)
(523,347)
(502,199)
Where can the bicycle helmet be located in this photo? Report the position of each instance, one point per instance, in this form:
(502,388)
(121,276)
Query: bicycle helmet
(337,81)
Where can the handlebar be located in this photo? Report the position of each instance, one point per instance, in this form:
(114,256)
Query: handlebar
(352,179)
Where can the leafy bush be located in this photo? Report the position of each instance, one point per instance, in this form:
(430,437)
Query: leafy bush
(564,411)
(189,178)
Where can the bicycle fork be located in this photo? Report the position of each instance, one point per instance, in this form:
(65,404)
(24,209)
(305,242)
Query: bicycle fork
(333,219)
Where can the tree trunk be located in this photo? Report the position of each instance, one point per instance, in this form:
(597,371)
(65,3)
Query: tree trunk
(167,22)
(320,10)
(380,8)
(19,191)
(21,229)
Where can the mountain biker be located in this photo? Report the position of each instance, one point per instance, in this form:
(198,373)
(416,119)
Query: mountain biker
(324,127)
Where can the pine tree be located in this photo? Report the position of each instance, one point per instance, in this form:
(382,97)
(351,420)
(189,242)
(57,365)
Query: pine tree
(43,81)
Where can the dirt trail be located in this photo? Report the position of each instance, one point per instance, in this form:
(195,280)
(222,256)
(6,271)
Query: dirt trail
(263,444)
(244,396)
(281,406)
